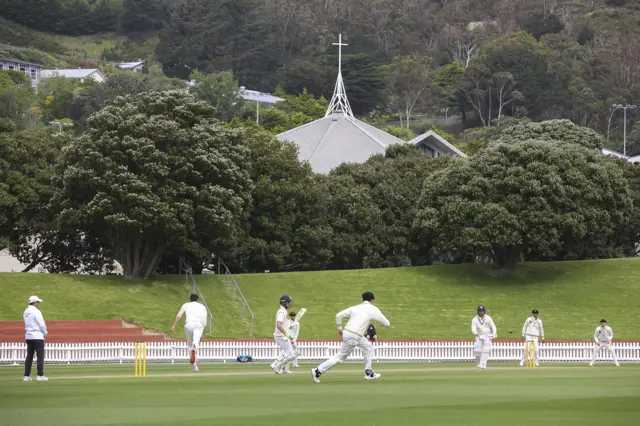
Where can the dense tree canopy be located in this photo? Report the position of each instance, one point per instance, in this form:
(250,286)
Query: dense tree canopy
(528,196)
(153,172)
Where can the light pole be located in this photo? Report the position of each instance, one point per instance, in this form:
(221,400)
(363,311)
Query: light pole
(624,124)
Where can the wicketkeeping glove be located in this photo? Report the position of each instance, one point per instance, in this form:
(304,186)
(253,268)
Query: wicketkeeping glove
(371,333)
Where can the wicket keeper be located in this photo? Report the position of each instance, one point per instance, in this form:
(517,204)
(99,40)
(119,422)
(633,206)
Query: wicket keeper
(531,331)
(603,337)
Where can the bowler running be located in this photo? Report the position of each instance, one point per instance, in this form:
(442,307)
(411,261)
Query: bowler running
(353,336)
(194,324)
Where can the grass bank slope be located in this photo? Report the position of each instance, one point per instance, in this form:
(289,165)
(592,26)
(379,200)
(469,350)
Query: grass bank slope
(435,302)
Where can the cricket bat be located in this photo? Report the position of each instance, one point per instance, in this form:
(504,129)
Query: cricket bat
(300,314)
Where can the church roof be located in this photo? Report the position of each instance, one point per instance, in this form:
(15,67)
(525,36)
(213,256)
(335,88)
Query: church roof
(337,138)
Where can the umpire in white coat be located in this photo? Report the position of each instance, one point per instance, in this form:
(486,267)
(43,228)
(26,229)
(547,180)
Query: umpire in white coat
(35,331)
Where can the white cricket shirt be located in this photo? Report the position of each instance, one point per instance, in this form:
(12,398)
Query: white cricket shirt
(281,316)
(195,313)
(484,327)
(34,325)
(603,335)
(360,316)
(294,329)
(533,327)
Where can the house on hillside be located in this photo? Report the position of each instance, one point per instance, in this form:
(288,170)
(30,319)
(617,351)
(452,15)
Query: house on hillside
(33,71)
(434,145)
(80,73)
(131,66)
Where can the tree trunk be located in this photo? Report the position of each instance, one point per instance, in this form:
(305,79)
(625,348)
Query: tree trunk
(139,256)
(506,257)
(33,263)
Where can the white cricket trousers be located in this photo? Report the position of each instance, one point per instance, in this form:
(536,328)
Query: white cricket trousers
(533,339)
(286,353)
(194,331)
(349,342)
(601,346)
(482,349)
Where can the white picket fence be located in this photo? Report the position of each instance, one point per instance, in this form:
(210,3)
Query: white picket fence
(262,351)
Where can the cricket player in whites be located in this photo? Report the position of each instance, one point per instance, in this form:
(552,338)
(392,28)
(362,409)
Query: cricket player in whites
(353,336)
(485,330)
(194,324)
(531,331)
(294,330)
(282,336)
(603,337)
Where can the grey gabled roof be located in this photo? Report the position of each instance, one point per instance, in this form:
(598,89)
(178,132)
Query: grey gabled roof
(432,138)
(335,139)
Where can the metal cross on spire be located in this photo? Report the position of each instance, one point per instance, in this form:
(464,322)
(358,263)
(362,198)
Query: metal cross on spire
(339,101)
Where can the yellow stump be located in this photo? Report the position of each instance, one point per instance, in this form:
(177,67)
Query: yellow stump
(140,367)
(531,354)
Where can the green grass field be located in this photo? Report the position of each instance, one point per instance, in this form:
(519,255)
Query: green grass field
(435,302)
(409,394)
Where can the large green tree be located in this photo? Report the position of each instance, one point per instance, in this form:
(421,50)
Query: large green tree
(287,226)
(97,96)
(16,97)
(394,183)
(221,91)
(561,131)
(154,172)
(527,196)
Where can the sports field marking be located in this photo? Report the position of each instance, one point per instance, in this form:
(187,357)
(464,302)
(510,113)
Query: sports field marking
(301,373)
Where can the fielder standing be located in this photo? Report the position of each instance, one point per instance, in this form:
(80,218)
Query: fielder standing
(194,324)
(282,336)
(35,330)
(485,330)
(603,337)
(353,336)
(531,331)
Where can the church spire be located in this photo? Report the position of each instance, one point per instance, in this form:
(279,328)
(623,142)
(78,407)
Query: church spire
(339,101)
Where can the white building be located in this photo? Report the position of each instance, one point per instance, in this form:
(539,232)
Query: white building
(339,137)
(80,73)
(32,71)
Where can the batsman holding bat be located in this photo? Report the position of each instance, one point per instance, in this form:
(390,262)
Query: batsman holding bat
(483,327)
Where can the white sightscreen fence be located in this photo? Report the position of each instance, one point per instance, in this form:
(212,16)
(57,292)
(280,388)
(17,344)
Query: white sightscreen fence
(263,351)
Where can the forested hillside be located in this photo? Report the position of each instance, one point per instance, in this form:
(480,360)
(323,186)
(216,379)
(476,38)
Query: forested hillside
(479,59)
(130,170)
